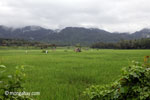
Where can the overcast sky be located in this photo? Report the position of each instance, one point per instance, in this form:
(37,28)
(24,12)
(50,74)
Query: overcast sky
(111,15)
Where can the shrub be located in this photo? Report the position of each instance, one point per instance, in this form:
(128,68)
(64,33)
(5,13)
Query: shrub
(43,51)
(134,84)
(12,83)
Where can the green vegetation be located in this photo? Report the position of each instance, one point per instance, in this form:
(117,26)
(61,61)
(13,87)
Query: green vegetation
(64,75)
(125,44)
(133,85)
(12,84)
(17,42)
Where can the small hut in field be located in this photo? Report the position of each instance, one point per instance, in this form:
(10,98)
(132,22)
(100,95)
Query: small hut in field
(77,50)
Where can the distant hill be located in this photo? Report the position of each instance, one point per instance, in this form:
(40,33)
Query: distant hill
(69,35)
(144,33)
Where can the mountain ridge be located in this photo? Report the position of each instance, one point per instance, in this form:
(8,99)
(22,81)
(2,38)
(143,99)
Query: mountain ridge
(69,35)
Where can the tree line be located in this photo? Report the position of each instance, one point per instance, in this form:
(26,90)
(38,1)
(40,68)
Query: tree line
(16,42)
(24,43)
(143,43)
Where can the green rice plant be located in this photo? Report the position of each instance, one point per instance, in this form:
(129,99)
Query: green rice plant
(61,75)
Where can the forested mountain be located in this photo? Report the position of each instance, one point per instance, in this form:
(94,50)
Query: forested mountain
(69,35)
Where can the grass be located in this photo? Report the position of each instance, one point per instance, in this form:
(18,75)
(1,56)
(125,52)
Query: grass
(61,75)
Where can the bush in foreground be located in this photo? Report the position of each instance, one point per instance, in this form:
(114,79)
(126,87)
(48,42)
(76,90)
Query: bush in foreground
(134,84)
(12,83)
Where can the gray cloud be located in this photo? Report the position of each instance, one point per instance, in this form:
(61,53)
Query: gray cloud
(112,15)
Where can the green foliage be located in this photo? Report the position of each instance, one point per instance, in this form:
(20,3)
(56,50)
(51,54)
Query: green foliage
(125,44)
(134,84)
(18,42)
(43,51)
(12,83)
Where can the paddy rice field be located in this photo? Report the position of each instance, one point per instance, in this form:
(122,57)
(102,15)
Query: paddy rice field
(64,74)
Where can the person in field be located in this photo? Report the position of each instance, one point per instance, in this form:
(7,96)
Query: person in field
(46,51)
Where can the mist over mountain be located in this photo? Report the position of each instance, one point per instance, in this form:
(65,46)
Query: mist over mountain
(69,35)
